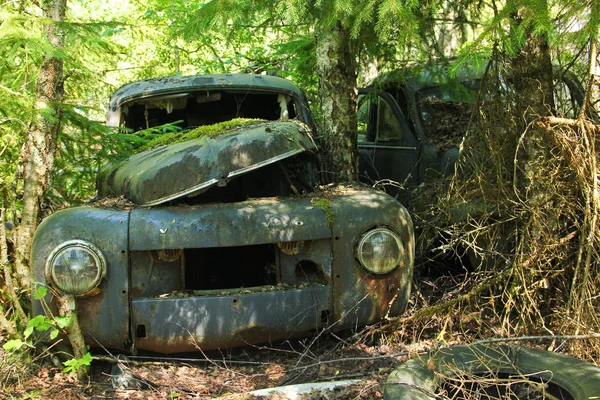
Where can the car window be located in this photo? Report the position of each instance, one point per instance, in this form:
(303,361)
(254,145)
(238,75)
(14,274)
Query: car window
(364,104)
(193,109)
(444,119)
(388,126)
(467,92)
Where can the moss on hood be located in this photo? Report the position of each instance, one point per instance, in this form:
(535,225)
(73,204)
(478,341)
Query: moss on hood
(201,131)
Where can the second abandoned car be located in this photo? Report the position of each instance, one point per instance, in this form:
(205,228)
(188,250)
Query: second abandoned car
(227,238)
(412,120)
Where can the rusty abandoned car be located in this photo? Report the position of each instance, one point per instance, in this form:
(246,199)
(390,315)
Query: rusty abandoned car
(226,239)
(412,120)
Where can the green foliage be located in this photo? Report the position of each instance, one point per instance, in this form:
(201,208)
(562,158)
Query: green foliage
(63,322)
(75,364)
(19,49)
(14,345)
(111,43)
(108,44)
(22,49)
(325,205)
(53,326)
(40,292)
(84,147)
(39,323)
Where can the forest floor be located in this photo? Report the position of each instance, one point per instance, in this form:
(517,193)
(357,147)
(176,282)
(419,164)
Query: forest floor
(224,375)
(366,357)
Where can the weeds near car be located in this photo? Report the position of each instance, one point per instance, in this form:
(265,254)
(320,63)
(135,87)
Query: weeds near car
(529,250)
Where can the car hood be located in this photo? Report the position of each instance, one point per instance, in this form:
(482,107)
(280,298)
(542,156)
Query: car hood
(190,168)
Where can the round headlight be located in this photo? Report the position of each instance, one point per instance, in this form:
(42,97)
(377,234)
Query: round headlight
(75,267)
(380,250)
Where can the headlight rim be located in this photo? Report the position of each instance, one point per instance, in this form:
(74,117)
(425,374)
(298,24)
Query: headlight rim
(363,239)
(88,246)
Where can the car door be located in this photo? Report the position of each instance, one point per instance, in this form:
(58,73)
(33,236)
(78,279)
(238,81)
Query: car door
(388,148)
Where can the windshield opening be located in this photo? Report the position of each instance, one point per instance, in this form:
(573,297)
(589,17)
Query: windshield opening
(190,110)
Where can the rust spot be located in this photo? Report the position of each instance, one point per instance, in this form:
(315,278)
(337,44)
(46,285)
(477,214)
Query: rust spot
(381,296)
(253,333)
(89,307)
(136,292)
(175,345)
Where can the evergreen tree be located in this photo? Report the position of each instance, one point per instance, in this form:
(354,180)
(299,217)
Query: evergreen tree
(342,33)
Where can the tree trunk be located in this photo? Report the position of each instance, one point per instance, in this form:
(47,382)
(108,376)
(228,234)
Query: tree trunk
(532,75)
(591,103)
(68,308)
(37,153)
(6,281)
(5,322)
(336,72)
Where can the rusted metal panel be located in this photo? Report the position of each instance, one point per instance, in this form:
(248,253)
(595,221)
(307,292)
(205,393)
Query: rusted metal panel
(151,276)
(234,224)
(186,324)
(336,288)
(360,297)
(190,168)
(104,316)
(312,264)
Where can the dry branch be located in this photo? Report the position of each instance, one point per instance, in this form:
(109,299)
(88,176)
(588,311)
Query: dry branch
(450,304)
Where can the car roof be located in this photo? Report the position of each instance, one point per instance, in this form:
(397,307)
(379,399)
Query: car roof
(174,84)
(445,72)
(427,75)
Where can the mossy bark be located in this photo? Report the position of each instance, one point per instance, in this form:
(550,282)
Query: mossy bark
(37,154)
(336,71)
(532,76)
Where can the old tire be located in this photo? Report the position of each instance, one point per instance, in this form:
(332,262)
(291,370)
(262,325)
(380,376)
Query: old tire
(414,380)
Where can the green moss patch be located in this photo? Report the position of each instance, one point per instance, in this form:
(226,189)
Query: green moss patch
(325,205)
(202,131)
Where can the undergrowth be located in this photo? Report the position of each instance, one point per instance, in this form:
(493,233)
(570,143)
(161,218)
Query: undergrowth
(531,265)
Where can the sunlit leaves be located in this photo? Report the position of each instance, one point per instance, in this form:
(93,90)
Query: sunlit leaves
(13,345)
(74,364)
(40,323)
(23,46)
(111,43)
(40,292)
